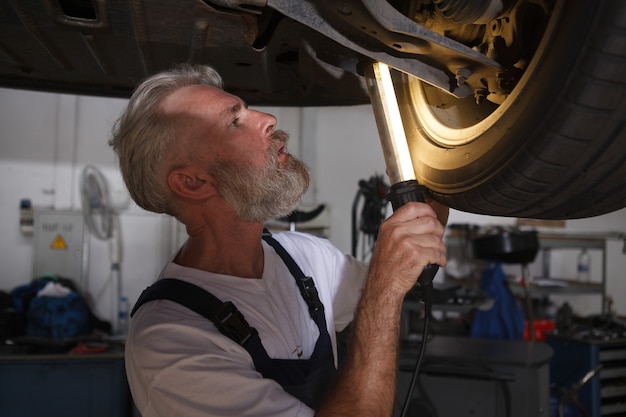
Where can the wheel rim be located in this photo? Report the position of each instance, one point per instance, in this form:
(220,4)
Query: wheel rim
(451,122)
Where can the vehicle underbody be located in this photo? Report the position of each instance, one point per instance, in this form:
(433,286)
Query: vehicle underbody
(511,108)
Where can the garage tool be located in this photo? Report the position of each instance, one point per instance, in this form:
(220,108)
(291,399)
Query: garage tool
(404,187)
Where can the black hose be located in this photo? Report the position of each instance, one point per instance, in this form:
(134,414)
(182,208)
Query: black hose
(427,296)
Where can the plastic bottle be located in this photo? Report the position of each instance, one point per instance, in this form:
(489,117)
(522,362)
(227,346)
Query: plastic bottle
(122,316)
(584,263)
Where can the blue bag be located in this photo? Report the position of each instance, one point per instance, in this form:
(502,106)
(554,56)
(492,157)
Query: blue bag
(505,319)
(58,317)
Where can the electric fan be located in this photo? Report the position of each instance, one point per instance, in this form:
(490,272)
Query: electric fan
(102,221)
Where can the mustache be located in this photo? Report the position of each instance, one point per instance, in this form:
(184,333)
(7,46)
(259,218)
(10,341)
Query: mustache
(280,136)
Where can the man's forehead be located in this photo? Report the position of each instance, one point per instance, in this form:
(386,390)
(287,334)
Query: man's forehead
(204,98)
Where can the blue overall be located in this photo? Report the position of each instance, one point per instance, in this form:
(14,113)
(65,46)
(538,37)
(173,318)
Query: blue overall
(309,380)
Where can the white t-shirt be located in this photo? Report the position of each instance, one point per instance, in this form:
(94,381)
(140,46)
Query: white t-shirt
(179,364)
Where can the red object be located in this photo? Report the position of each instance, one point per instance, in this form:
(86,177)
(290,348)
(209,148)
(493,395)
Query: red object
(541,328)
(89,348)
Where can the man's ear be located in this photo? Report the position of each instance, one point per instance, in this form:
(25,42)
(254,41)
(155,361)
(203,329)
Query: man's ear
(186,183)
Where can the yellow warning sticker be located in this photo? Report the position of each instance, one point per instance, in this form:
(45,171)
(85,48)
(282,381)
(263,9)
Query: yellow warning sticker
(58,243)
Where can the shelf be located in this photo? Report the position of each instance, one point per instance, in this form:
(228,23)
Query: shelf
(542,286)
(550,242)
(467,307)
(574,241)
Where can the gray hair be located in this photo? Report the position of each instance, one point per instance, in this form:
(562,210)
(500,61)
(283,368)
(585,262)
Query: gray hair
(141,136)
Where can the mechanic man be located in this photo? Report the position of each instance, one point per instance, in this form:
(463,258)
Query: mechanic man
(262,341)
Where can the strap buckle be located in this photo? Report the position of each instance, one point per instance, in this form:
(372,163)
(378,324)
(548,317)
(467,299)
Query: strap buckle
(310,294)
(232,323)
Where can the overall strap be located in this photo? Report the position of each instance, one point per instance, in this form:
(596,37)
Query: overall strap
(224,315)
(305,284)
(307,380)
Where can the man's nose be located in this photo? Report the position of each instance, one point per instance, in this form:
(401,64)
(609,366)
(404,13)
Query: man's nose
(267,123)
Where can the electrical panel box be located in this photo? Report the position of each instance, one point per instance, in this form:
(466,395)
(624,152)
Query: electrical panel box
(59,244)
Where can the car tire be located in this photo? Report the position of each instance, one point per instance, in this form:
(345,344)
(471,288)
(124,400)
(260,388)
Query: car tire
(554,149)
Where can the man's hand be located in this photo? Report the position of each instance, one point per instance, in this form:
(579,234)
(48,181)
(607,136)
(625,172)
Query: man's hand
(408,241)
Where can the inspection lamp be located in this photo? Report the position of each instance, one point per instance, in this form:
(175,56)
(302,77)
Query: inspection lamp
(389,122)
(404,186)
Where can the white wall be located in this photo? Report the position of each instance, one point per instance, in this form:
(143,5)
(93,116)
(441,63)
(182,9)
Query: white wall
(48,138)
(46,141)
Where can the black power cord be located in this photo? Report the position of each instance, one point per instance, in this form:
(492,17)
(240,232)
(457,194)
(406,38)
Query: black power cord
(427,296)
(399,194)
